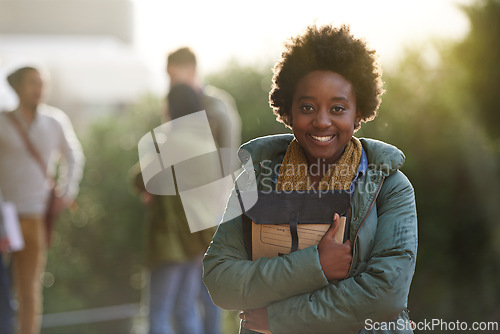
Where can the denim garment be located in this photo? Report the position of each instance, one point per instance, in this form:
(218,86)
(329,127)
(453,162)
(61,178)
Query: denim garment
(174,292)
(6,309)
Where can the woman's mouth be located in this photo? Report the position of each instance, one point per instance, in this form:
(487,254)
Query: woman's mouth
(322,139)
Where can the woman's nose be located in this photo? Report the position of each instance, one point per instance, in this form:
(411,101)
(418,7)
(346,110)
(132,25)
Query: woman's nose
(322,119)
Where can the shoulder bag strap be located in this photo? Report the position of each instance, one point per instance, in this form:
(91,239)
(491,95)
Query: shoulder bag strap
(29,145)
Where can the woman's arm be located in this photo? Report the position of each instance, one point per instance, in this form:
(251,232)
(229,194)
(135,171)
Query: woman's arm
(378,292)
(237,283)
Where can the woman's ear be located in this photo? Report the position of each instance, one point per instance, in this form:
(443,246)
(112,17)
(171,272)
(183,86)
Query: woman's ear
(357,121)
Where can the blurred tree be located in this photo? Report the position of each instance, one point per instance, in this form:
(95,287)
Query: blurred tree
(456,185)
(441,113)
(479,54)
(250,86)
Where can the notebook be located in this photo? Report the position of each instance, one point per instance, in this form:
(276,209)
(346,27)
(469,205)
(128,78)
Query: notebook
(283,222)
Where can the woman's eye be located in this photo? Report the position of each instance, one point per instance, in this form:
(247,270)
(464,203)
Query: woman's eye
(338,109)
(307,108)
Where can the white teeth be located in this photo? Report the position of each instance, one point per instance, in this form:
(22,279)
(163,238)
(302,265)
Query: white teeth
(322,139)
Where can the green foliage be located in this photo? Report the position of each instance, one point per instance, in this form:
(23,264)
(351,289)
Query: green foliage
(442,115)
(479,54)
(96,259)
(250,88)
(453,169)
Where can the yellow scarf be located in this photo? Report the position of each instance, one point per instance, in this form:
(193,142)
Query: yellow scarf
(295,172)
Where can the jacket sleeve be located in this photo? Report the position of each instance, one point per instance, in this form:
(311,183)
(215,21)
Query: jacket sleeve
(236,283)
(378,289)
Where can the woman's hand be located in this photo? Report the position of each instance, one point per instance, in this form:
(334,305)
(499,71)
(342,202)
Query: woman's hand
(255,319)
(335,258)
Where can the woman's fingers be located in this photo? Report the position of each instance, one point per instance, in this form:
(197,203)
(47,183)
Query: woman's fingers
(255,319)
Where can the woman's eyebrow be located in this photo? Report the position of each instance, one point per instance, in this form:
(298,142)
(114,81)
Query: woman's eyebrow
(306,97)
(335,98)
(340,98)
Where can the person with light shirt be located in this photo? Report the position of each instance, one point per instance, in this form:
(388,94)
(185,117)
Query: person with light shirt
(24,181)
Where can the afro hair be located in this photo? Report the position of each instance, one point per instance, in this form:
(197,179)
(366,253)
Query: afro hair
(327,48)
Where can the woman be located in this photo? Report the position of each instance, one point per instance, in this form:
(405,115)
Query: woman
(326,83)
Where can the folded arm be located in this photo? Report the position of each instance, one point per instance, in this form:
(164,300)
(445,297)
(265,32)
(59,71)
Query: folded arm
(379,287)
(237,283)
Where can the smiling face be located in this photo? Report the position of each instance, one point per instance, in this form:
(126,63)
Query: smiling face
(323,115)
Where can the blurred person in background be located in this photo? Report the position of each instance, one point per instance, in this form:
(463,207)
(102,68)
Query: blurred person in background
(34,139)
(6,309)
(225,123)
(220,107)
(174,253)
(169,261)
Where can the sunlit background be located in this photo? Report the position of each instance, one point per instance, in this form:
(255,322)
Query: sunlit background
(106,60)
(103,53)
(255,31)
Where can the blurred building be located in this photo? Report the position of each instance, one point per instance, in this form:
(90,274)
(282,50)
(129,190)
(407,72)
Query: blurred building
(86,46)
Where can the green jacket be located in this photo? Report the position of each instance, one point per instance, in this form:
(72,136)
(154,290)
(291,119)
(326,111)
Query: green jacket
(168,238)
(383,232)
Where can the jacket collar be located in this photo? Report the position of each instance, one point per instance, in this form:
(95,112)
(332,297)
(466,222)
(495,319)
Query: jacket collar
(264,148)
(382,157)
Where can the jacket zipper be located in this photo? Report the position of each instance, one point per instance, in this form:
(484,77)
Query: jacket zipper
(363,222)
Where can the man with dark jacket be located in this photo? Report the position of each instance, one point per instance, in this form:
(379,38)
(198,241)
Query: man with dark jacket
(174,253)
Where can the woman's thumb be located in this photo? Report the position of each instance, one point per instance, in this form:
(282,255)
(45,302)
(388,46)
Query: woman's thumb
(332,230)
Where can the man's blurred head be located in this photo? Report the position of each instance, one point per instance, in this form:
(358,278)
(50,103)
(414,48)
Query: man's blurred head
(181,67)
(28,84)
